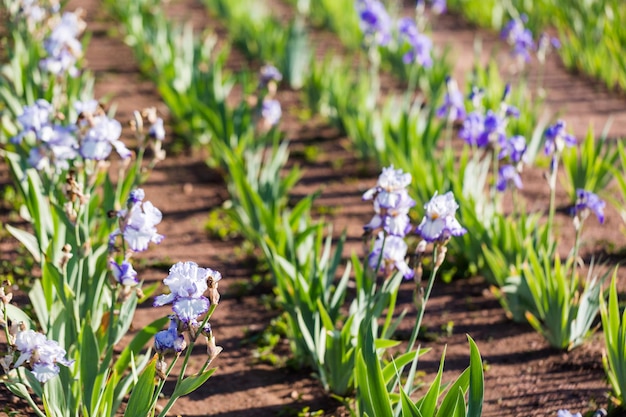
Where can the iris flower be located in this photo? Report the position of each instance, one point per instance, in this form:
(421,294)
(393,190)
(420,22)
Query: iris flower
(374,21)
(41,353)
(439,222)
(187,283)
(557,138)
(420,44)
(508,174)
(588,201)
(124,273)
(169,340)
(389,254)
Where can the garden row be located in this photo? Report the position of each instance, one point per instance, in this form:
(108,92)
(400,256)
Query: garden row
(249,29)
(56,150)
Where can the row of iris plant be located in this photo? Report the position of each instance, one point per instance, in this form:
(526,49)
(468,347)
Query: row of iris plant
(303,267)
(542,290)
(590,32)
(231,137)
(562,328)
(84,229)
(519,251)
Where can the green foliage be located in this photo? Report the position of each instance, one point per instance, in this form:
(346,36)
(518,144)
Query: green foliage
(187,71)
(264,37)
(614,329)
(589,166)
(557,304)
(220,224)
(22,81)
(591,34)
(339,16)
(374,397)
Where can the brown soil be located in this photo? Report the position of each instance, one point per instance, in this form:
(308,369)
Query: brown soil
(524,377)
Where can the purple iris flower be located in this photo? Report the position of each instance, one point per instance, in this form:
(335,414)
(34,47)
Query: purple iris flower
(271,112)
(124,273)
(101,138)
(439,223)
(390,182)
(32,11)
(519,37)
(374,21)
(545,44)
(476,96)
(187,283)
(588,201)
(34,118)
(63,47)
(41,353)
(493,129)
(508,174)
(394,220)
(439,6)
(169,341)
(511,111)
(156,130)
(136,196)
(391,202)
(557,138)
(269,73)
(58,146)
(472,131)
(513,147)
(453,102)
(420,44)
(138,223)
(389,253)
(140,226)
(87,106)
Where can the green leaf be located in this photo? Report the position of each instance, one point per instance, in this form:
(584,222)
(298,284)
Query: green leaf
(28,240)
(391,369)
(371,389)
(477,381)
(428,404)
(140,400)
(54,398)
(89,353)
(385,343)
(459,410)
(408,408)
(372,392)
(192,383)
(448,404)
(16,316)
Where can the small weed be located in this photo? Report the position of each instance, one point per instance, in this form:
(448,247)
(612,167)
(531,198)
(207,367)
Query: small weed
(268,340)
(447,328)
(338,163)
(306,412)
(289,411)
(312,153)
(326,210)
(220,225)
(10,199)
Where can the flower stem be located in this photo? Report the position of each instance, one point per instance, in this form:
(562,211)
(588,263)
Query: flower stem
(429,287)
(579,229)
(552,185)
